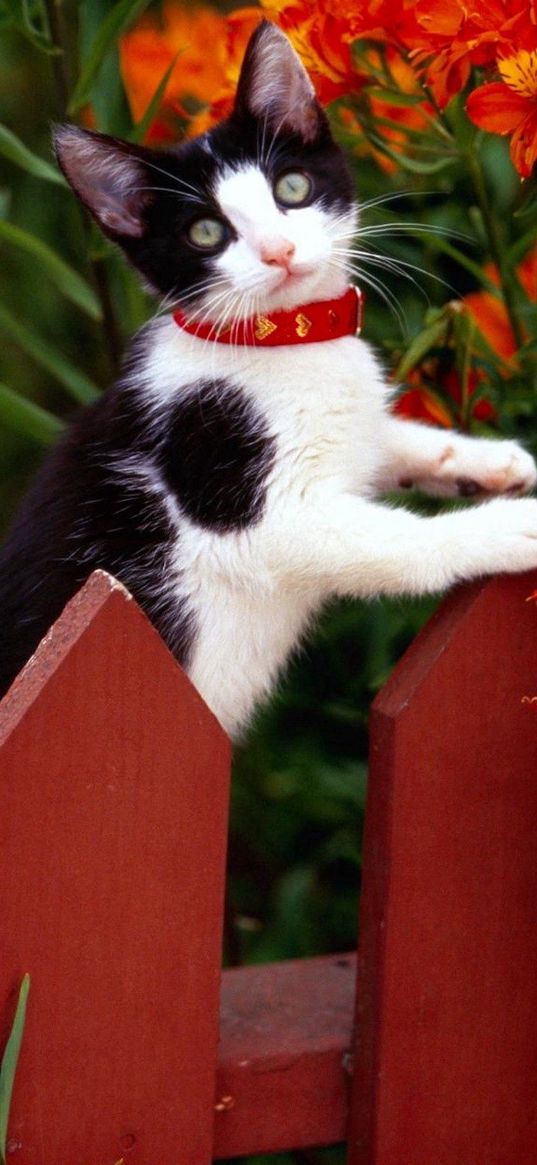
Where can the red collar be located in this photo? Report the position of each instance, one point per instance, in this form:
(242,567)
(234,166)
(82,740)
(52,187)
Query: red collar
(302,325)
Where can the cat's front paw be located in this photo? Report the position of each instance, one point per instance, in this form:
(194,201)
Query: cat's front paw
(478,468)
(504,535)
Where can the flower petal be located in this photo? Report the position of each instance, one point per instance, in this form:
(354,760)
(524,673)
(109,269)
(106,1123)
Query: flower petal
(492,320)
(497,108)
(524,145)
(422,405)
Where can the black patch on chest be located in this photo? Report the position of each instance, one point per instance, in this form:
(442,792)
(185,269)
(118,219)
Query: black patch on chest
(217,457)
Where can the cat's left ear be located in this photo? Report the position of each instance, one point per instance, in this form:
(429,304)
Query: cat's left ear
(274,86)
(109,177)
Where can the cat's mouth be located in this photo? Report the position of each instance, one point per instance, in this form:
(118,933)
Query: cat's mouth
(290,275)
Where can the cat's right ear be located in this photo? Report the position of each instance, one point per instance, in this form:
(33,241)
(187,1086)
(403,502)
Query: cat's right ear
(108,176)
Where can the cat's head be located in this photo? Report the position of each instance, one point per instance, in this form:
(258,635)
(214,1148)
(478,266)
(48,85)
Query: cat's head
(253,215)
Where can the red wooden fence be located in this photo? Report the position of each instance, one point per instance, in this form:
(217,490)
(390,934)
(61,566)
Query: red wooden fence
(113,822)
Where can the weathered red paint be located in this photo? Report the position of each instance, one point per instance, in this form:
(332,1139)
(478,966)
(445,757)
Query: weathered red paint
(113,820)
(446,1062)
(283,1065)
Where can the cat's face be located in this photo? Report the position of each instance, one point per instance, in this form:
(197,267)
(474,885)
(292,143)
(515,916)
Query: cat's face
(252,216)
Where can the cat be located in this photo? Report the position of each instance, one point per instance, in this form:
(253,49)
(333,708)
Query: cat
(230,483)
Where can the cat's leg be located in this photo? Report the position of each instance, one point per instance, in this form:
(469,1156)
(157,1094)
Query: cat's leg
(347,545)
(447,464)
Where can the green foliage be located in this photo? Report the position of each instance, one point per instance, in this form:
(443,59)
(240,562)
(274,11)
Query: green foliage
(116,22)
(69,282)
(15,151)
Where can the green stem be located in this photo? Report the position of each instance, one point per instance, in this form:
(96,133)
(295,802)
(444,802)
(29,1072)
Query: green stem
(465,376)
(59,62)
(110,327)
(495,245)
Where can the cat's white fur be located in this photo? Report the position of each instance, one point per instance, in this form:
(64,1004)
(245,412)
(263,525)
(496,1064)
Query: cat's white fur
(321,532)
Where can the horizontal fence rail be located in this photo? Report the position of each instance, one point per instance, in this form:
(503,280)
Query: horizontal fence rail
(113,825)
(284,1056)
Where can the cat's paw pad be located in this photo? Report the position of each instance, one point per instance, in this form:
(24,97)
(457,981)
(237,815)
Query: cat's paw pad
(488,467)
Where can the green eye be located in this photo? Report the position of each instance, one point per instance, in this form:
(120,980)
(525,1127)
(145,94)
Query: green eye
(207,233)
(293,188)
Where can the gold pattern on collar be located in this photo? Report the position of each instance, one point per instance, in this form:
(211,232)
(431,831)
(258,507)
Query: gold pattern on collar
(264,327)
(303,325)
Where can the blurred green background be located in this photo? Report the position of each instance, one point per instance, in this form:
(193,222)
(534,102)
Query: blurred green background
(68,305)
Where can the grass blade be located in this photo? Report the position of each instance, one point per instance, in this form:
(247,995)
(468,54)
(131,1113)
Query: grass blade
(22,415)
(68,281)
(437,243)
(24,20)
(73,380)
(142,126)
(118,20)
(413,165)
(8,1066)
(17,152)
(428,338)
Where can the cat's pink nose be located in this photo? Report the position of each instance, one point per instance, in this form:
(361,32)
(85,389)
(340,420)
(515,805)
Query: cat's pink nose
(277,252)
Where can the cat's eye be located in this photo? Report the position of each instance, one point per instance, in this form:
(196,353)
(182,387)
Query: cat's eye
(207,233)
(292,188)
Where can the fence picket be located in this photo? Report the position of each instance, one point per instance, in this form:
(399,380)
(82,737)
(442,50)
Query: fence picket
(113,823)
(445,1063)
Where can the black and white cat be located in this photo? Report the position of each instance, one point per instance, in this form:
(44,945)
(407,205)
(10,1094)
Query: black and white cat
(230,486)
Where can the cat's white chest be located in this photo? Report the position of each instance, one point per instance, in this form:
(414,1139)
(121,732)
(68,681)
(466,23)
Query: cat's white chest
(325,404)
(322,406)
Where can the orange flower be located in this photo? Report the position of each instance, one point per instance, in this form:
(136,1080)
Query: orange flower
(208,47)
(239,27)
(447,37)
(490,314)
(355,18)
(322,35)
(421,404)
(432,388)
(509,106)
(436,396)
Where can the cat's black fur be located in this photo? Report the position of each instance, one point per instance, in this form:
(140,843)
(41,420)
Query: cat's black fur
(218,479)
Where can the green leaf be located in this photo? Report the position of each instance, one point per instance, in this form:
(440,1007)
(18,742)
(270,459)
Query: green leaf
(8,1066)
(437,243)
(12,148)
(118,20)
(517,252)
(142,126)
(108,99)
(22,415)
(77,384)
(429,338)
(465,131)
(417,137)
(23,17)
(68,281)
(411,164)
(394,97)
(529,203)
